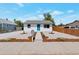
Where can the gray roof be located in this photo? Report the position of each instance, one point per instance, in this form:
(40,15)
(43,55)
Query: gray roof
(74,23)
(7,22)
(37,22)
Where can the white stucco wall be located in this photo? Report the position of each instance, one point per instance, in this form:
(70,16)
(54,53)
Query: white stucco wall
(34,27)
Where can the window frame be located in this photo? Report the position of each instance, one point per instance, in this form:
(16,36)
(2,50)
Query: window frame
(46,25)
(29,25)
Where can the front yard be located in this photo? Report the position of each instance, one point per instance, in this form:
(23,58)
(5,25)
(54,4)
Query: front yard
(59,37)
(17,36)
(20,36)
(38,47)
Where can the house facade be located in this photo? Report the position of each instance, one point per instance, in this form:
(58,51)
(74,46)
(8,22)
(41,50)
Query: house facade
(38,26)
(7,25)
(73,25)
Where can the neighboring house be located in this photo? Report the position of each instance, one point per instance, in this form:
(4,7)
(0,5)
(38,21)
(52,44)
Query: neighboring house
(73,25)
(38,26)
(7,25)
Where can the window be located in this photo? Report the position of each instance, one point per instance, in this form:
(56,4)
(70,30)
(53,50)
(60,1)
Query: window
(66,27)
(46,26)
(72,27)
(7,25)
(28,25)
(76,26)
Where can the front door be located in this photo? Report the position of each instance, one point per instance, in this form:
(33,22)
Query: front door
(38,27)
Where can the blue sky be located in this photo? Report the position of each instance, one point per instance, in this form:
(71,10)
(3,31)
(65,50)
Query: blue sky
(62,13)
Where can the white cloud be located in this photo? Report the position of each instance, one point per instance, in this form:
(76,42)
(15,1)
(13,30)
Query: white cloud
(46,11)
(53,13)
(36,17)
(38,11)
(31,17)
(41,11)
(70,11)
(20,4)
(39,15)
(15,9)
(56,12)
(8,11)
(68,18)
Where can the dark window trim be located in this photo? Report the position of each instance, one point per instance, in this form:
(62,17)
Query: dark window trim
(46,25)
(29,25)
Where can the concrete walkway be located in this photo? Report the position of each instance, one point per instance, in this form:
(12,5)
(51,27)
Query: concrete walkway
(38,37)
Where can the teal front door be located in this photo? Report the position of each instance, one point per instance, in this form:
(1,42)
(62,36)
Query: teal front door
(38,27)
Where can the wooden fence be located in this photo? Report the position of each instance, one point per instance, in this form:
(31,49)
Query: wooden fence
(66,30)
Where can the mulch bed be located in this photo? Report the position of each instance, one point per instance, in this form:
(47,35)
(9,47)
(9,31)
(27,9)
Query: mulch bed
(17,40)
(60,40)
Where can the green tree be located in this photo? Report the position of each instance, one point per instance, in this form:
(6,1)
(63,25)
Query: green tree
(18,22)
(14,20)
(48,17)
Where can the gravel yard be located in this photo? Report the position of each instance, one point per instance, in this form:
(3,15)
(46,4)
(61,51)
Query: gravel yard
(60,35)
(16,34)
(19,35)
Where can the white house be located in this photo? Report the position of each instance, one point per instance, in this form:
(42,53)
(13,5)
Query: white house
(38,26)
